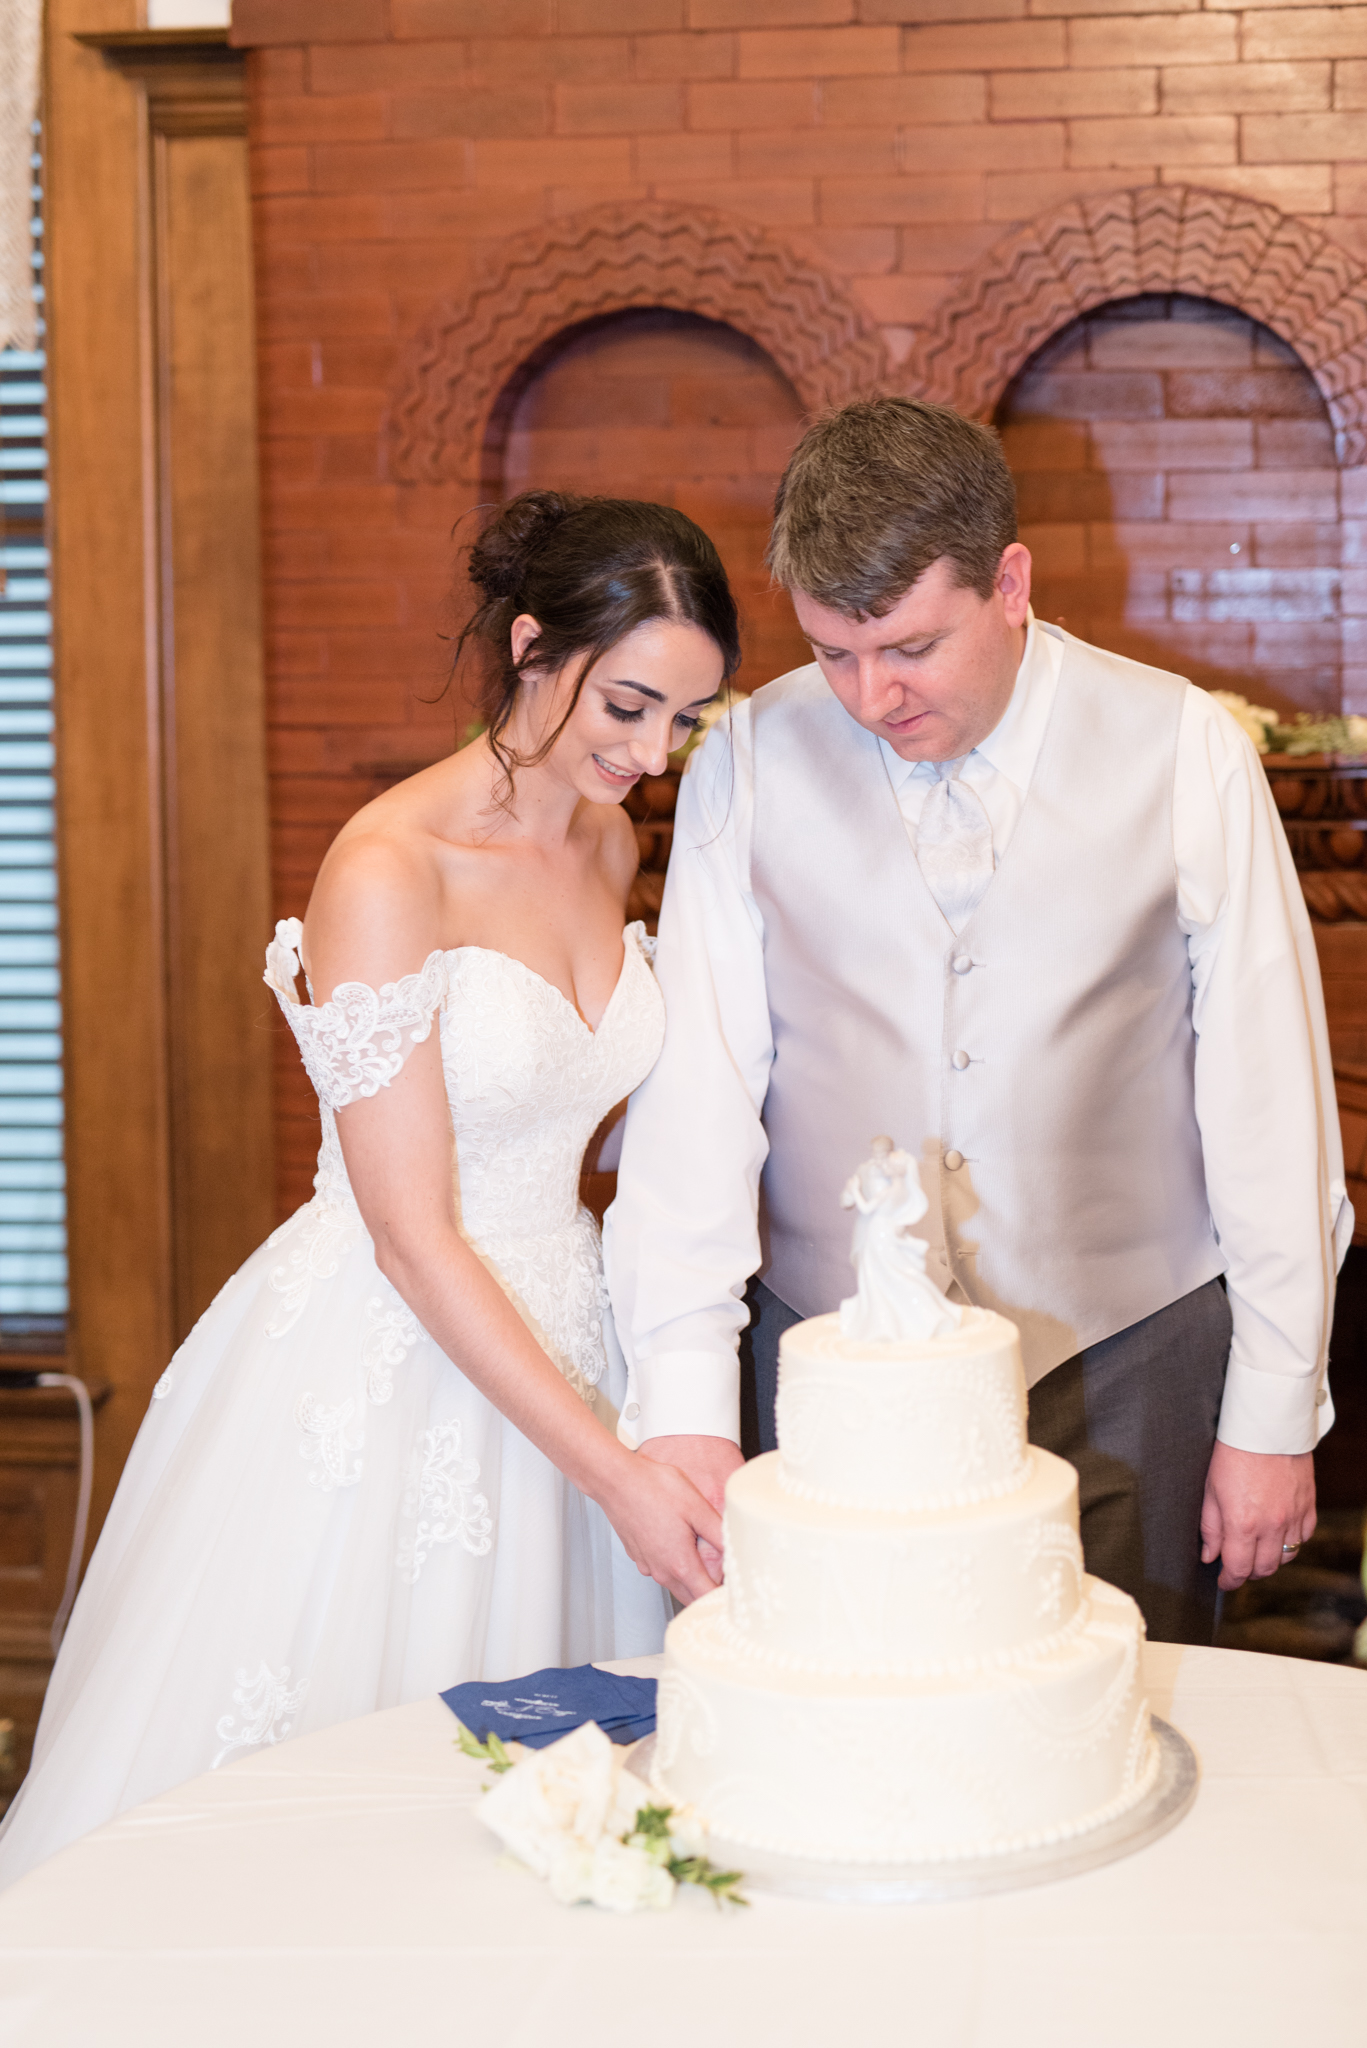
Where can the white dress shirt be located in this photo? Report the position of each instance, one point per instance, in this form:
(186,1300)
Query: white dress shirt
(682,1238)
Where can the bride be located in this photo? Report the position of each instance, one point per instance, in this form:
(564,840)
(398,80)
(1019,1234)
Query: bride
(385,1459)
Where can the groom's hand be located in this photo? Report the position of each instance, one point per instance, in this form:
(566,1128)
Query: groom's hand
(709,1462)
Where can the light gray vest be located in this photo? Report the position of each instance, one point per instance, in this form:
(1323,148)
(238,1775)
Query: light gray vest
(1079,1205)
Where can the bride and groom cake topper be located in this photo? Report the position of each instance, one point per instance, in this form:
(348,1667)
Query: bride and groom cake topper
(896,1298)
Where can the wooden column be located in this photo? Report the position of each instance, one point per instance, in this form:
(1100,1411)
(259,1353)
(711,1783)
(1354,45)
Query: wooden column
(161,759)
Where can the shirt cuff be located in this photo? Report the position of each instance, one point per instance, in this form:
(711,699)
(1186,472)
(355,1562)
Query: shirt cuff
(683,1393)
(1273,1412)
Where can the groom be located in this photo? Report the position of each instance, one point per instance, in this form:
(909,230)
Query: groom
(1027,906)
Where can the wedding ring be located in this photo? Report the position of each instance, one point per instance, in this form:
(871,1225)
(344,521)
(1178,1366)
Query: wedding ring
(1290,1549)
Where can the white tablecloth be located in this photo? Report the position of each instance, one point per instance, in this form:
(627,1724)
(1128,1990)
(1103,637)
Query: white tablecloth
(338,1890)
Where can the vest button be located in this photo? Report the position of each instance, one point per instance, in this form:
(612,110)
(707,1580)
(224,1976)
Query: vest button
(961,963)
(960,1060)
(954,1160)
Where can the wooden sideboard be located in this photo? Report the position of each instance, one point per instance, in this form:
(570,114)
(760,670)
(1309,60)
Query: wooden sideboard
(39,1474)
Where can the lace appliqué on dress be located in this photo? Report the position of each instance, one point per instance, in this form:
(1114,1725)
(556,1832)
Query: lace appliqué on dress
(440,1493)
(330,1442)
(354,1044)
(269,1705)
(325,1231)
(392,1334)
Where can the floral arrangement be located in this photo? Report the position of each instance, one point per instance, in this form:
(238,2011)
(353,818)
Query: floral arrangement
(572,1814)
(1305,735)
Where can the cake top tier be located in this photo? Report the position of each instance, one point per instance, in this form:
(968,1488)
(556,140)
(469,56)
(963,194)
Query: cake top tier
(904,1425)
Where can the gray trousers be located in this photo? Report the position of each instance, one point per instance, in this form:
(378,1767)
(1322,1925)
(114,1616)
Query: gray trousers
(1136,1414)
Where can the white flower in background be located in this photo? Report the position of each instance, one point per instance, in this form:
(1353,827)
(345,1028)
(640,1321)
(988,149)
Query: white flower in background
(1257,721)
(576,1789)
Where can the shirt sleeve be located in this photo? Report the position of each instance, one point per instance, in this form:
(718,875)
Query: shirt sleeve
(682,1238)
(1264,1085)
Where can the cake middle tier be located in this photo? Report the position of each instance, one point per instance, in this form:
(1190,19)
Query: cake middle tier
(816,1588)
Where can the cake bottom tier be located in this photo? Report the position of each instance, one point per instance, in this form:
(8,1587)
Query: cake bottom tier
(882,1772)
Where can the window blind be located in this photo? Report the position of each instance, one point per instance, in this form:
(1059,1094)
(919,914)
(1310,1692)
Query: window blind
(33,1265)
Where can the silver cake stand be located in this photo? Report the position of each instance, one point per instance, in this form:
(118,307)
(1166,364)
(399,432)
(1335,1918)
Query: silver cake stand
(887,1884)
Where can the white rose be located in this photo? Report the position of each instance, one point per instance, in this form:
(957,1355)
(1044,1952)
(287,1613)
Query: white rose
(625,1880)
(533,1807)
(687,1832)
(571,1873)
(573,1789)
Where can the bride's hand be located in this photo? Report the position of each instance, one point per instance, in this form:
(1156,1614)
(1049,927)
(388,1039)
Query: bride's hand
(661,1517)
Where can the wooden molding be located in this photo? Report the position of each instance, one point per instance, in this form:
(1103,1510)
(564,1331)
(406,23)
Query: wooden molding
(194,82)
(161,761)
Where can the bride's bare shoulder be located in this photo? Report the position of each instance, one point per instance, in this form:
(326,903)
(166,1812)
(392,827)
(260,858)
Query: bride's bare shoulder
(376,911)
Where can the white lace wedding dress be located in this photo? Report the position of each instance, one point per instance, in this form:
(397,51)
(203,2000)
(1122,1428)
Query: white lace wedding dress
(321,1516)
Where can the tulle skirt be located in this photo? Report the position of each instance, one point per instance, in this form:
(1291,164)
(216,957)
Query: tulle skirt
(320,1517)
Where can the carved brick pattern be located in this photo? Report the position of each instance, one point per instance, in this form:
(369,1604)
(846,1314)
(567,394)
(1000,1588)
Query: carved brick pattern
(1282,271)
(604,261)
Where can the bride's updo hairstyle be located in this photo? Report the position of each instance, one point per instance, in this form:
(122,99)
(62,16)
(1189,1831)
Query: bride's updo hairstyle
(589,571)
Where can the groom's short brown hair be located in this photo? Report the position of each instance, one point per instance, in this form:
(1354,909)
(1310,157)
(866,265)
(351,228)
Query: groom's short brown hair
(877,491)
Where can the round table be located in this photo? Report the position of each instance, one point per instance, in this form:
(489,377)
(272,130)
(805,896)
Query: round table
(339,1890)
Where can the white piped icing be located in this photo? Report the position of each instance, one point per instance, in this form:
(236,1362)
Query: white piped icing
(887,1770)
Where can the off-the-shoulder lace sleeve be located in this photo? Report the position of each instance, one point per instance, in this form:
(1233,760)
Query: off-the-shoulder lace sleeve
(355,1043)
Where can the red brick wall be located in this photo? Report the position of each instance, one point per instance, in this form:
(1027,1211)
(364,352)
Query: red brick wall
(396,143)
(684,412)
(1179,494)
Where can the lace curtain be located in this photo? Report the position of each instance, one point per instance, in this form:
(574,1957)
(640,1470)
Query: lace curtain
(21,31)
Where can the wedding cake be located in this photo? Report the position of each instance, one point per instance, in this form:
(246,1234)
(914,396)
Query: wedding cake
(906,1661)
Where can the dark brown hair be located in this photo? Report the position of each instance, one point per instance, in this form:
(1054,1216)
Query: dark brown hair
(876,492)
(589,571)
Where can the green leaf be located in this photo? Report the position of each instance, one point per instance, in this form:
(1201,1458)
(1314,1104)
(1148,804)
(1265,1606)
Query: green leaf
(651,1833)
(699,1870)
(493,1752)
(470,1745)
(1310,735)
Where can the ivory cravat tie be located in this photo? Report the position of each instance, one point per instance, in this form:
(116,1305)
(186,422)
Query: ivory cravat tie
(954,845)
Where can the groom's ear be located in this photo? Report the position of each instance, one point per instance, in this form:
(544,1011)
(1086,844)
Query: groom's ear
(1013,582)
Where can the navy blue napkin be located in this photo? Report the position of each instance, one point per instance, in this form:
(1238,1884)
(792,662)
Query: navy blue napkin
(545,1705)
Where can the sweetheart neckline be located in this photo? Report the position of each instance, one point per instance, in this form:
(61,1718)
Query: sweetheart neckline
(493,952)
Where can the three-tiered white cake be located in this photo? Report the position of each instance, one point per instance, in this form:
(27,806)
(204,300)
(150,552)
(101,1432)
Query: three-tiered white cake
(907,1661)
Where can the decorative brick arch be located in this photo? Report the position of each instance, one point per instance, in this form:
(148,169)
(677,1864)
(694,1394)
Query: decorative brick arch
(605,261)
(1279,269)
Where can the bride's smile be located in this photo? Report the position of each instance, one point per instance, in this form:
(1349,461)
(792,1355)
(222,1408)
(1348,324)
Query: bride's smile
(623,717)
